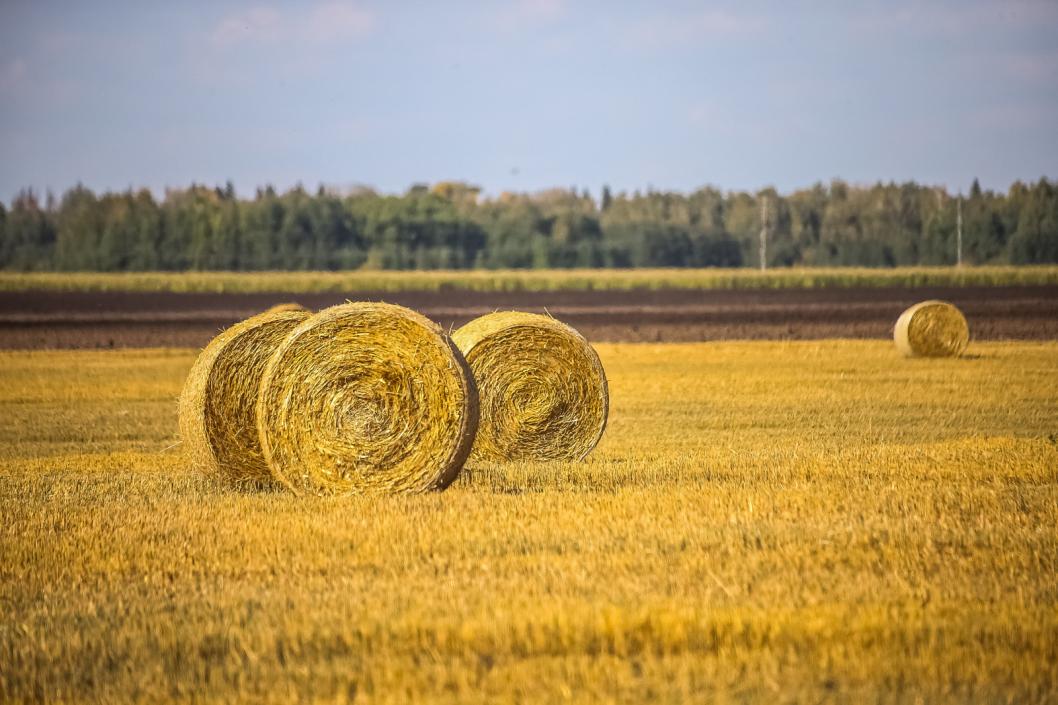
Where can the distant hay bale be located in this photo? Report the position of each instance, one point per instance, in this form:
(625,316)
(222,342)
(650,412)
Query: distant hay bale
(218,424)
(931,329)
(291,306)
(542,387)
(364,398)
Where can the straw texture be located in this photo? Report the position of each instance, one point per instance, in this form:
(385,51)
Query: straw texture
(289,306)
(218,424)
(931,329)
(543,389)
(364,398)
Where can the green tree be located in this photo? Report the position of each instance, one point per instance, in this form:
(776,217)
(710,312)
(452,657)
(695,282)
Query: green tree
(451,225)
(1036,238)
(77,230)
(29,235)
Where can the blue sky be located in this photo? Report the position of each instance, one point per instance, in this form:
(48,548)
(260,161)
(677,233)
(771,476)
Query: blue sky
(526,95)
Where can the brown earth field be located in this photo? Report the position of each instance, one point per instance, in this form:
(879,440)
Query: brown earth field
(35,319)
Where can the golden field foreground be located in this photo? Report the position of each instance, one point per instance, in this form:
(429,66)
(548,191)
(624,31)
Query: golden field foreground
(762,522)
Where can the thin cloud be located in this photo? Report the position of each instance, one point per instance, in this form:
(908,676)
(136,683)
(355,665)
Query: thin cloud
(1013,117)
(58,41)
(961,19)
(722,118)
(326,22)
(530,13)
(541,9)
(12,74)
(335,21)
(662,31)
(258,24)
(1039,68)
(706,114)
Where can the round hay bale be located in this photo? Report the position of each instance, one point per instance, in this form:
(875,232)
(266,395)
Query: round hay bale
(364,398)
(931,329)
(218,422)
(289,306)
(542,387)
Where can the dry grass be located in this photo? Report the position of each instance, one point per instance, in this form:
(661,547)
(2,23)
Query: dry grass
(528,280)
(763,522)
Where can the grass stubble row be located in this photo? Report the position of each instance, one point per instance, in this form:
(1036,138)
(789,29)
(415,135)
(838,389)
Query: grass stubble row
(373,397)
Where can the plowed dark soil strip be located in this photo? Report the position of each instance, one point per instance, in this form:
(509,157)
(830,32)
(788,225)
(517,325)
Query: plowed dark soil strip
(92,320)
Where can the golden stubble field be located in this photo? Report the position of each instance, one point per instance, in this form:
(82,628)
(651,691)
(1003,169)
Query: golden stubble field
(763,522)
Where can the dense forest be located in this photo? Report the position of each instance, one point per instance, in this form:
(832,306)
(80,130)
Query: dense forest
(450,225)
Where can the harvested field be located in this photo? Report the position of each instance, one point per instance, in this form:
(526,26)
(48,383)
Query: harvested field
(49,319)
(763,522)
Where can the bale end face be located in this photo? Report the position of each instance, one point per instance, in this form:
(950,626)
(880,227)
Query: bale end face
(366,398)
(543,389)
(931,329)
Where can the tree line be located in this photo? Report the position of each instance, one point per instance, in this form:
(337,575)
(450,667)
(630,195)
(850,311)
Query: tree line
(449,225)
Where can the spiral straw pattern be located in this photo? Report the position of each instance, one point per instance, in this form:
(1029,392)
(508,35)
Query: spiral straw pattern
(931,329)
(542,387)
(217,408)
(364,398)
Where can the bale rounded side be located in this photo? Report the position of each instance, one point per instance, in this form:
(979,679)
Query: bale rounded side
(217,408)
(364,398)
(542,387)
(931,329)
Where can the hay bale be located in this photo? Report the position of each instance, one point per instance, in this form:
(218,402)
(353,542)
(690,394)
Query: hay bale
(931,329)
(543,389)
(290,306)
(366,397)
(218,422)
